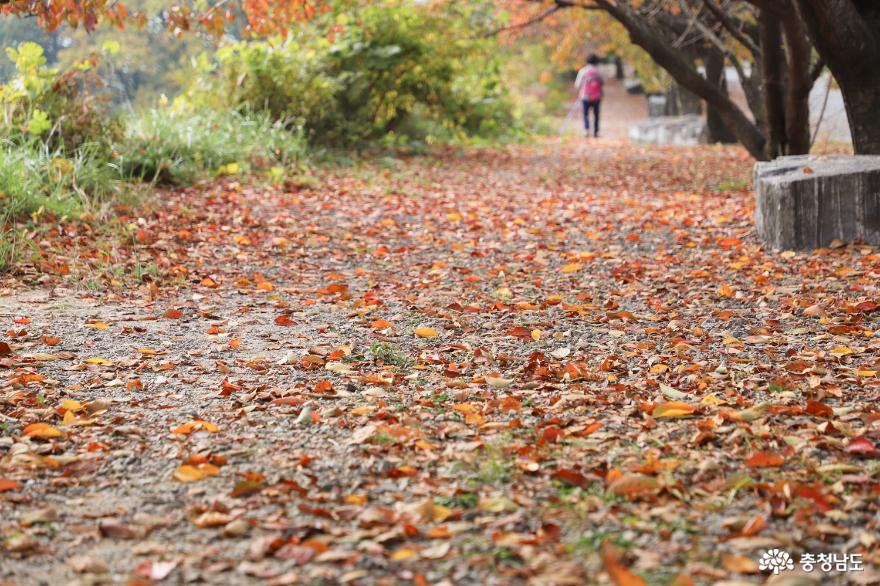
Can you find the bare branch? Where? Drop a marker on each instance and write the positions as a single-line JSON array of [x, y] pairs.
[[728, 23]]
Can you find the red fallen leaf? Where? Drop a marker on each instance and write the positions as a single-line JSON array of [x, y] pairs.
[[867, 306], [294, 401], [284, 320], [798, 366], [550, 435], [572, 477], [5, 350], [299, 554], [6, 484], [50, 340], [173, 314], [520, 332], [819, 409], [764, 460], [861, 446], [22, 321], [135, 385], [401, 472], [813, 494], [316, 511]]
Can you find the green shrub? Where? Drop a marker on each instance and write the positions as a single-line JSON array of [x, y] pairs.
[[63, 109], [177, 148], [393, 72]]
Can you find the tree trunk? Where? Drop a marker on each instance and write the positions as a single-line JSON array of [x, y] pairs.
[[797, 114], [847, 35], [772, 62], [718, 131], [618, 68]]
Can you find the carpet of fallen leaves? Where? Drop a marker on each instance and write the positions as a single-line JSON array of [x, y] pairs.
[[565, 363]]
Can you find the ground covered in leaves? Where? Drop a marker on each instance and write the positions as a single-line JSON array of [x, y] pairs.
[[570, 363]]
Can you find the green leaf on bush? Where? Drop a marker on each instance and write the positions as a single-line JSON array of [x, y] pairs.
[[39, 122]]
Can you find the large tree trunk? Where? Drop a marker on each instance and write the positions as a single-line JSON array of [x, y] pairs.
[[772, 64], [797, 98], [847, 36], [718, 130]]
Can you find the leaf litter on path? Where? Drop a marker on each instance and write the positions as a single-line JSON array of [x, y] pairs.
[[563, 363]]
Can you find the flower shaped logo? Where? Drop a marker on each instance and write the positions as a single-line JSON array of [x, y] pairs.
[[776, 560]]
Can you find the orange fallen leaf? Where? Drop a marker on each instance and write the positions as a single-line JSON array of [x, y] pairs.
[[764, 460], [7, 484], [673, 409], [634, 484], [151, 352], [284, 320], [619, 574], [195, 425], [42, 431], [426, 332], [98, 325]]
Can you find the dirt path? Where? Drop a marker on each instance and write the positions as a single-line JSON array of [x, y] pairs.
[[472, 368]]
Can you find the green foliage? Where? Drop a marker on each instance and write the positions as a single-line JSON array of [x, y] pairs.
[[173, 147], [393, 73], [62, 108]]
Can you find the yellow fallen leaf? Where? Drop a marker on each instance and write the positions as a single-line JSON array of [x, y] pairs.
[[71, 405], [536, 335], [658, 369], [188, 473], [571, 267], [98, 360], [404, 553], [841, 351], [69, 418], [426, 332], [150, 352], [866, 373], [98, 325], [712, 400]]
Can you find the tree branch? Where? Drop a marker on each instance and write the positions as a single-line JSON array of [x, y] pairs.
[[731, 27]]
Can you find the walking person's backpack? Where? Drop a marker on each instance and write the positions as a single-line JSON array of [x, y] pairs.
[[593, 85]]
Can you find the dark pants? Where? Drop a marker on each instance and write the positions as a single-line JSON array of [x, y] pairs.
[[594, 106]]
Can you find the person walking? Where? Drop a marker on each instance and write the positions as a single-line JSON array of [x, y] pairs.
[[589, 85]]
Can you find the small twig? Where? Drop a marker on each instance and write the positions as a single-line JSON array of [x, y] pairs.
[[821, 113]]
